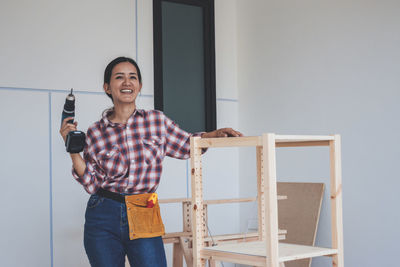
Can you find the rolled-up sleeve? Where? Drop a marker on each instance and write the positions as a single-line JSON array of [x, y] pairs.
[[177, 140]]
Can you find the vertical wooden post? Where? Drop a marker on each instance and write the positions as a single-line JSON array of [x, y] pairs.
[[197, 202], [187, 225], [177, 260], [205, 220], [271, 203], [184, 244], [260, 194], [336, 201]]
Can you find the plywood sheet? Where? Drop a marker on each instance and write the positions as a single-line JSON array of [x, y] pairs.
[[299, 214], [287, 252]]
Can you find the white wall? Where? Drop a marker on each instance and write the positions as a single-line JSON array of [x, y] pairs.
[[62, 44], [325, 67], [48, 47]]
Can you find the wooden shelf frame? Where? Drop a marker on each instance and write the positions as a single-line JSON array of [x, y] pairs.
[[182, 241], [273, 253]]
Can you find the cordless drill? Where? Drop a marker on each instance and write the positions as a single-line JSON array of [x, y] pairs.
[[75, 139]]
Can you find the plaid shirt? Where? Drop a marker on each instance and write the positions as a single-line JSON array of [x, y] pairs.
[[128, 158]]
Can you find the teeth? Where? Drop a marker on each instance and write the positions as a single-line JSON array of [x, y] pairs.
[[126, 91]]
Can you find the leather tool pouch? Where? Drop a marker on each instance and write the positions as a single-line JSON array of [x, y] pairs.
[[143, 222]]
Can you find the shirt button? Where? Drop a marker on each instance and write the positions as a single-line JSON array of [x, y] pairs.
[[131, 176], [133, 161]]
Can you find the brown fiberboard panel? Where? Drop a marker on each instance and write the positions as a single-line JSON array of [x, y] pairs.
[[299, 214]]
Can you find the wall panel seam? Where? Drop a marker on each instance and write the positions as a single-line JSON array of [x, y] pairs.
[[136, 26], [50, 182]]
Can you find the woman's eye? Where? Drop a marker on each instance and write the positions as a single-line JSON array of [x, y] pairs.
[[133, 77], [118, 77]]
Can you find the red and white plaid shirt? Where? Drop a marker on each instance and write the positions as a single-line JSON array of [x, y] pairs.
[[128, 158]]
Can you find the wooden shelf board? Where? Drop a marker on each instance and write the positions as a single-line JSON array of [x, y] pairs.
[[287, 252], [280, 140]]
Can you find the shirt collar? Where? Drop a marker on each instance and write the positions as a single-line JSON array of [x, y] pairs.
[[106, 122]]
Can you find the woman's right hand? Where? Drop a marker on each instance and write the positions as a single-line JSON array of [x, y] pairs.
[[67, 127]]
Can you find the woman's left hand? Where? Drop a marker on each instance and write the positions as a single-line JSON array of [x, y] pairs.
[[223, 132]]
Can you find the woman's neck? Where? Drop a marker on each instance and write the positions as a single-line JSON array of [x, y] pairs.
[[122, 113]]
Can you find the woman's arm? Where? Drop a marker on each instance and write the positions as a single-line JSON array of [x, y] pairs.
[[78, 164], [77, 161]]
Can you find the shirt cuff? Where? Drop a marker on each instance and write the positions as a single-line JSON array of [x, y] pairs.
[[87, 180]]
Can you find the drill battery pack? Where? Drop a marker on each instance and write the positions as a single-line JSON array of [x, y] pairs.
[[75, 142]]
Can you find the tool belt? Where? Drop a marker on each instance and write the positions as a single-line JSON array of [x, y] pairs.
[[143, 222]]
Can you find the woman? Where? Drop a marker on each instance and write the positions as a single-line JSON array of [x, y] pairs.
[[123, 159]]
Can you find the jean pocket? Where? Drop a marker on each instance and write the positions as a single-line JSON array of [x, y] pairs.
[[94, 201]]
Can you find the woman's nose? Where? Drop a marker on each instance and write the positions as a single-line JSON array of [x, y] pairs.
[[126, 81]]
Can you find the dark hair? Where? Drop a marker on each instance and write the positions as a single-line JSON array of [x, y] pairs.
[[112, 64]]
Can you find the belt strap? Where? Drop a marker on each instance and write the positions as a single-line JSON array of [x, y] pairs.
[[111, 195]]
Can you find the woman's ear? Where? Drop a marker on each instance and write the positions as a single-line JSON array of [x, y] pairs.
[[106, 88]]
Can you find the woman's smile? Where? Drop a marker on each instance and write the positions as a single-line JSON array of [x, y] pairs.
[[129, 91]]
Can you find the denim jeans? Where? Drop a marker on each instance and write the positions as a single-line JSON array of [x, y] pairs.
[[106, 238]]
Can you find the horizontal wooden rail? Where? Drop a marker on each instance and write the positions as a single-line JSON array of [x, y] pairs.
[[229, 141], [214, 201], [302, 143], [280, 141], [302, 138]]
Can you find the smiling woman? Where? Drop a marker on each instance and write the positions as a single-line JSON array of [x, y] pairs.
[[122, 164], [128, 65]]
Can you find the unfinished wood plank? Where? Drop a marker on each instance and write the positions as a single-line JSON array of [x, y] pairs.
[[229, 200], [290, 252], [302, 143], [214, 201], [184, 244], [271, 203], [177, 234], [173, 200], [230, 141], [233, 257], [256, 140], [336, 201], [170, 240], [187, 216], [299, 214], [302, 138], [177, 259], [287, 252], [244, 237], [260, 194], [198, 226]]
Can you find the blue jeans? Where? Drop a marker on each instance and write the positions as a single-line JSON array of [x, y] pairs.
[[107, 242]]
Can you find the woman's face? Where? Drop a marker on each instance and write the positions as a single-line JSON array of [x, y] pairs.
[[124, 84]]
